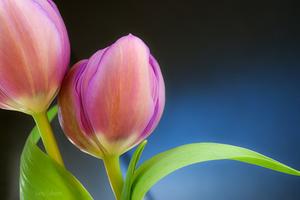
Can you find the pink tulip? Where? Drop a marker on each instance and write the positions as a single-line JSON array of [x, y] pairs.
[[34, 54], [112, 101]]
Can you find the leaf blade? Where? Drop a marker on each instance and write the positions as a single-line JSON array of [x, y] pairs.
[[43, 178], [169, 161], [126, 193]]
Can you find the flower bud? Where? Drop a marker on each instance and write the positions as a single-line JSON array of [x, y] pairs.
[[112, 101], [34, 54]]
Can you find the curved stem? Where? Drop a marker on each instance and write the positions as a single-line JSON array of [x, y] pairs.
[[47, 136], [113, 170]]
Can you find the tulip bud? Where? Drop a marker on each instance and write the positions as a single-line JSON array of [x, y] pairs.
[[34, 54], [112, 101]]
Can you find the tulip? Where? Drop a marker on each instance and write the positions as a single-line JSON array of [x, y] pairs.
[[34, 54], [112, 101]]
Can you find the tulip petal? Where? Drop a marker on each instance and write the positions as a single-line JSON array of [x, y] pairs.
[[158, 98], [119, 89], [70, 111], [34, 52]]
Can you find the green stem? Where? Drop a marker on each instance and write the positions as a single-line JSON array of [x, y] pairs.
[[47, 136], [113, 170]]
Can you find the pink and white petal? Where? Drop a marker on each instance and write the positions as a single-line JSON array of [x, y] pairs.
[[118, 100], [70, 112], [32, 57]]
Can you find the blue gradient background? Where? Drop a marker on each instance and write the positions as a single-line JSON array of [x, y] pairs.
[[232, 76]]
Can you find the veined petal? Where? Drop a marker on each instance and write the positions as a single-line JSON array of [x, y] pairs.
[[120, 89], [158, 97], [71, 113], [34, 52]]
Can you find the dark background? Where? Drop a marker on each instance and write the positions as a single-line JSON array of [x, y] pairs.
[[232, 76]]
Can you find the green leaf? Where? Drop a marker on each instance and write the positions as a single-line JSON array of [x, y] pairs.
[[126, 193], [43, 178], [167, 162]]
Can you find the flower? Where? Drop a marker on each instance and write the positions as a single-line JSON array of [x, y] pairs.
[[34, 54], [114, 100]]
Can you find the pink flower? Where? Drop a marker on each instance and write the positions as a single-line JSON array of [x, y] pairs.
[[114, 100], [34, 54]]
